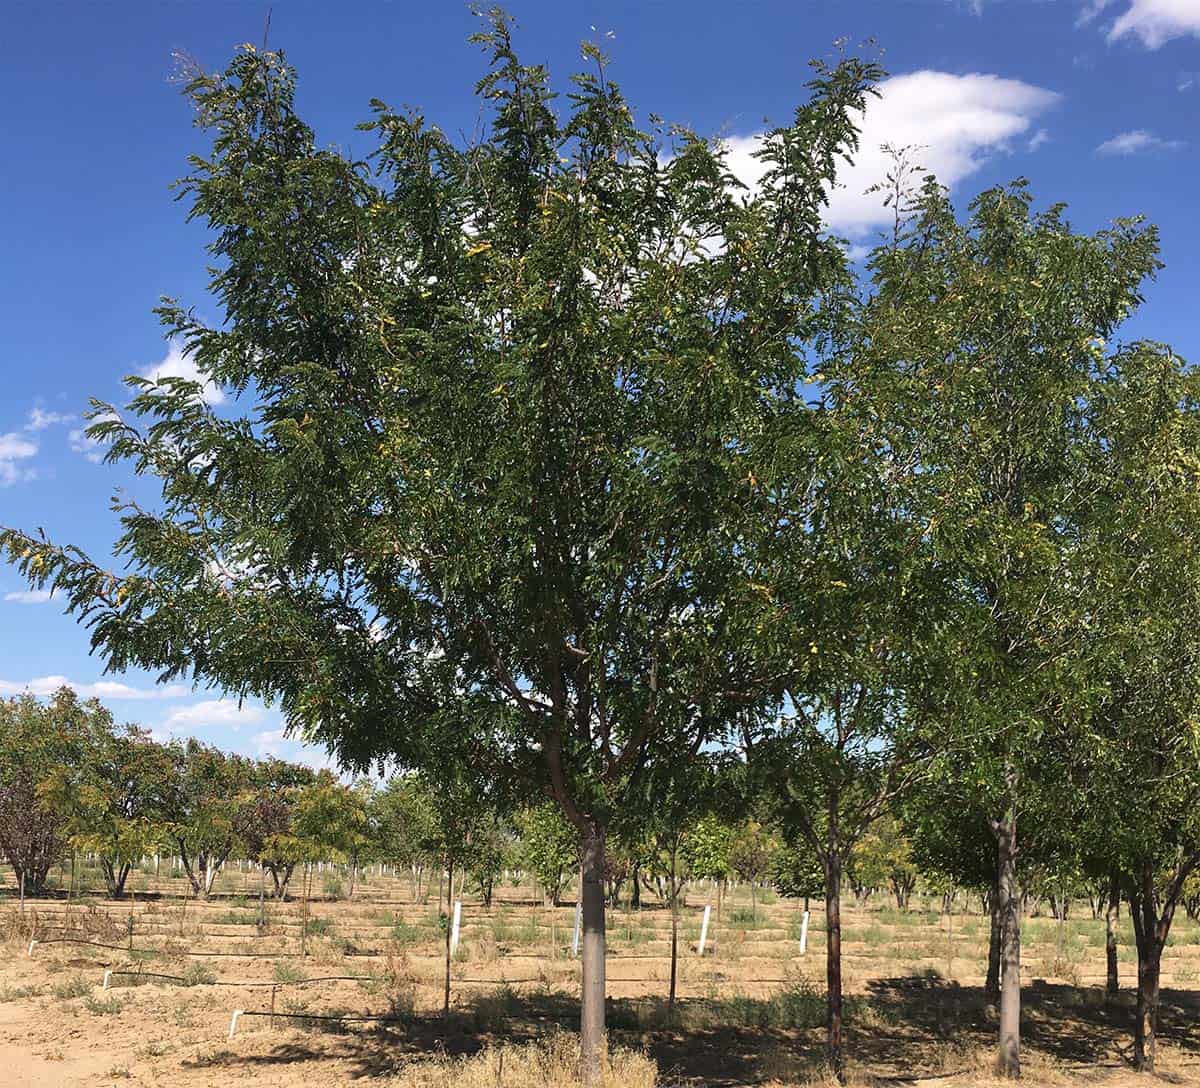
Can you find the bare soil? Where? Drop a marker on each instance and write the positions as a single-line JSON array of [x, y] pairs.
[[750, 1011]]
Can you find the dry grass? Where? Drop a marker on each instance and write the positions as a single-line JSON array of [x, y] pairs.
[[550, 1063]]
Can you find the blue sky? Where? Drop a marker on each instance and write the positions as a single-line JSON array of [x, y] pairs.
[[1094, 102]]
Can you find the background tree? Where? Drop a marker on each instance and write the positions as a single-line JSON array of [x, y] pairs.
[[112, 795], [402, 814], [707, 850], [750, 856], [883, 859], [264, 819], [35, 739], [549, 849], [1140, 533], [985, 343], [669, 824], [202, 808]]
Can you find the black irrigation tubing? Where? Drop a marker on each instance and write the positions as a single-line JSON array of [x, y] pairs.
[[260, 985], [315, 1016], [93, 944]]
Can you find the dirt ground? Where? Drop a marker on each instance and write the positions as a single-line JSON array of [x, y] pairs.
[[750, 1011]]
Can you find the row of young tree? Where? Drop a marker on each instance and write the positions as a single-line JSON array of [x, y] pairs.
[[561, 457], [74, 782]]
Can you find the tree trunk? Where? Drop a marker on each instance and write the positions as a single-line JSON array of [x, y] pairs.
[[592, 1038], [114, 878], [449, 924], [833, 961], [1110, 934], [635, 895], [991, 984], [674, 936], [1008, 1059], [1150, 934], [1149, 970]]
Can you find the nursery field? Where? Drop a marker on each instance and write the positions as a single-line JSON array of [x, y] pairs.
[[350, 989]]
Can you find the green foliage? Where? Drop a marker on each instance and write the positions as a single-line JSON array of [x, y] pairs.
[[549, 848], [796, 871], [36, 740], [708, 849], [489, 452], [883, 859]]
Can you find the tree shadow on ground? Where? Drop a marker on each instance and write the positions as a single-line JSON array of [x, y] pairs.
[[900, 1030]]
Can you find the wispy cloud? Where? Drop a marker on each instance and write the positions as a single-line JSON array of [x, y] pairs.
[[29, 596], [1154, 22], [16, 448], [100, 689], [1042, 136], [1136, 142], [39, 420]]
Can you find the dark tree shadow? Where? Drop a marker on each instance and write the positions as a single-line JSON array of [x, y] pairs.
[[900, 1030]]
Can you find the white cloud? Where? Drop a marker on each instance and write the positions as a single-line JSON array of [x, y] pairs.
[[40, 420], [29, 596], [1135, 142], [14, 448], [1042, 136], [214, 712], [954, 123], [1156, 22], [177, 365], [101, 689]]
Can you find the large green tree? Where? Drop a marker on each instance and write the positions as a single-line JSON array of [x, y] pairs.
[[494, 398], [987, 338], [1140, 533]]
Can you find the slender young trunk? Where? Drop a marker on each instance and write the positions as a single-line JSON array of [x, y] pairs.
[[1008, 1059], [306, 881], [1110, 934], [674, 935], [446, 993], [833, 960], [592, 1038], [991, 985]]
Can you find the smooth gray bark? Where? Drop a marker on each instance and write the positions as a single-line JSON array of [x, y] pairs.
[[592, 1035]]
